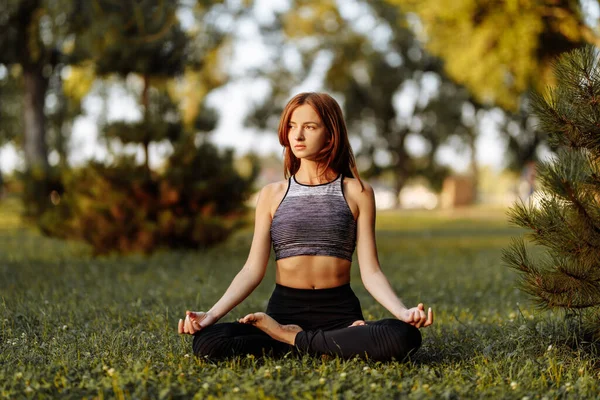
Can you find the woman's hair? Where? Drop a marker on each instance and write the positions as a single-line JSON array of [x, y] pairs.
[[337, 153]]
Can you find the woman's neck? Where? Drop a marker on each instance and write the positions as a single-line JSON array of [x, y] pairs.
[[310, 174]]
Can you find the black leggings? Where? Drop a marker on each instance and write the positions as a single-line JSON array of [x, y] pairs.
[[325, 316]]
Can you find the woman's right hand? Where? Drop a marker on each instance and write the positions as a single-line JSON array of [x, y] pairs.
[[195, 321]]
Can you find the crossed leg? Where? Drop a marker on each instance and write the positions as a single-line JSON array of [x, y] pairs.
[[282, 333], [233, 339], [382, 340]]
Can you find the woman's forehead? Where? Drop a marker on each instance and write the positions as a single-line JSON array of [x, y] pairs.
[[304, 114]]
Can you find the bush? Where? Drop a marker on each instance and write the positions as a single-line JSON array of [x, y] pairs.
[[197, 201]]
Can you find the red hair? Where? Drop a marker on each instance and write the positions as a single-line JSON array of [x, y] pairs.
[[337, 153]]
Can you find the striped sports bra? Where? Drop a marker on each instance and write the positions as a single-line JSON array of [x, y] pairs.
[[314, 220]]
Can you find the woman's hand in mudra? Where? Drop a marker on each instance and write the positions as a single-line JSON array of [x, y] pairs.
[[416, 316], [195, 321]]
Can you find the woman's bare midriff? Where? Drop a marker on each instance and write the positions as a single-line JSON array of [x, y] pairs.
[[313, 272]]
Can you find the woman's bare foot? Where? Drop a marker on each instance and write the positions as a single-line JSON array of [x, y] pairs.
[[282, 333]]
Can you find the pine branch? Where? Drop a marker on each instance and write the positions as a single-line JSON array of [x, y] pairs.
[[560, 284], [559, 291], [567, 176], [516, 257], [569, 113], [552, 227]]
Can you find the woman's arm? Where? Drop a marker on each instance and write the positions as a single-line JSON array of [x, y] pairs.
[[371, 274], [249, 276]]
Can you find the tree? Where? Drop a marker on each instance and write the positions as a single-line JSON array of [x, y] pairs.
[[368, 76], [142, 38], [10, 110], [501, 50], [566, 220], [21, 45], [34, 36], [196, 198], [10, 105]]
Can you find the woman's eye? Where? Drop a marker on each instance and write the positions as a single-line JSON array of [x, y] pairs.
[[310, 127]]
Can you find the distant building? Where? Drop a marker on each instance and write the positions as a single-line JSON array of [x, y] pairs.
[[457, 191]]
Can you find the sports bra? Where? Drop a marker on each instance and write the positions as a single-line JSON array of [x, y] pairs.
[[314, 220]]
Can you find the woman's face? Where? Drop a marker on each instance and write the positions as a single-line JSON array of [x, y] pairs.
[[306, 133]]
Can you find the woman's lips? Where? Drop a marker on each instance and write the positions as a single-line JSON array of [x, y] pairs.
[[299, 146]]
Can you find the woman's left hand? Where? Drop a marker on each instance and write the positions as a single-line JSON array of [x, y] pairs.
[[416, 316]]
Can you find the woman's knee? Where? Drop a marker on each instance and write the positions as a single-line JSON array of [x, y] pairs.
[[401, 338], [213, 341]]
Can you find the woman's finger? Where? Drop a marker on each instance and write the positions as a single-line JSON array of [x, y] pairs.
[[247, 319], [195, 318], [416, 318], [185, 325], [188, 325], [180, 326], [429, 317], [194, 314], [196, 325]]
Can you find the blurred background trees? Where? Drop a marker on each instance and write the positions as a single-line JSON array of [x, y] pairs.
[[422, 75], [33, 32], [57, 52], [500, 51], [368, 70]]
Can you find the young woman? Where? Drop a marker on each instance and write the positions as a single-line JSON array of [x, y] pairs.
[[314, 220]]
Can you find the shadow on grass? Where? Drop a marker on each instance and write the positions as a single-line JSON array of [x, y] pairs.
[[460, 343]]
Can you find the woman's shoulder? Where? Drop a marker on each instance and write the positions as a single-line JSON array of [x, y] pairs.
[[355, 187], [359, 197], [274, 188], [272, 194]]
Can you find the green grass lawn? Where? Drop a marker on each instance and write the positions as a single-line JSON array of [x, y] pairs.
[[81, 327]]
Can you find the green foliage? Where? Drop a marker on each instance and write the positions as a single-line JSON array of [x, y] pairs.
[[500, 49], [566, 220], [142, 37], [197, 201], [368, 73], [33, 35], [102, 38], [10, 105], [73, 326]]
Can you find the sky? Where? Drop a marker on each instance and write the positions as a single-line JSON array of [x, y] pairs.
[[235, 99]]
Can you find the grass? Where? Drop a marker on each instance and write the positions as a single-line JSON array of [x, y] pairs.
[[75, 326]]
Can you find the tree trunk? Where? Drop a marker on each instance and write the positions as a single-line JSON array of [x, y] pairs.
[[36, 150], [146, 143], [472, 138], [1, 185], [402, 175], [32, 59], [63, 127], [402, 165]]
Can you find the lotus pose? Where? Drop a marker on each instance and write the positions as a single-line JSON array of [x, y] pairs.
[[314, 220]]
